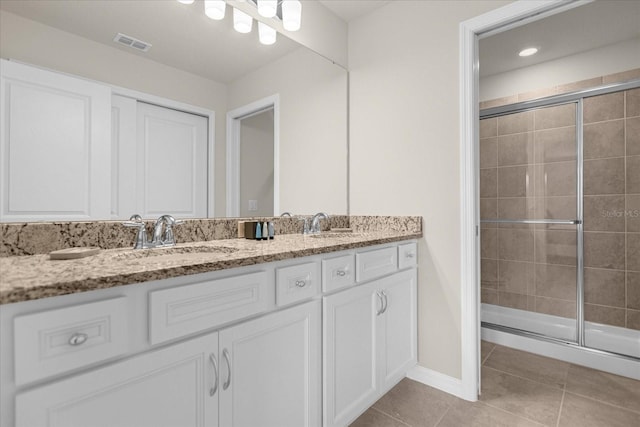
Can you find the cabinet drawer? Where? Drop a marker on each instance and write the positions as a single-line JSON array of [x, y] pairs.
[[407, 255], [56, 341], [338, 273], [376, 263], [296, 283], [184, 310]]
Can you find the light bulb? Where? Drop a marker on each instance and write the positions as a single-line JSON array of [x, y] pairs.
[[242, 22], [186, 1], [267, 8], [266, 34], [291, 14], [215, 9]]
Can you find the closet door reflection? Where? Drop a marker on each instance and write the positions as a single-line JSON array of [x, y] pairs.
[[529, 212]]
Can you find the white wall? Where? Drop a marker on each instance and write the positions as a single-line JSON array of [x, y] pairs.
[[34, 43], [404, 140], [599, 62], [313, 145]]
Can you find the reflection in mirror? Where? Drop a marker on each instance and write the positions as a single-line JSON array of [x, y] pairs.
[[199, 66]]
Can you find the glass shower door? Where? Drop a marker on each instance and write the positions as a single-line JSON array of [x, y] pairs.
[[530, 232]]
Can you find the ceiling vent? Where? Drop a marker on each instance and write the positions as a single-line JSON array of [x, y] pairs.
[[132, 42]]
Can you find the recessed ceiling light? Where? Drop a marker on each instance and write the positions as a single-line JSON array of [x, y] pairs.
[[528, 51]]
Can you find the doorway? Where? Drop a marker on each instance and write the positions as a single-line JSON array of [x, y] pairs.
[[252, 159]]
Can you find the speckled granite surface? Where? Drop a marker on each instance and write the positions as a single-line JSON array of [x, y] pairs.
[[34, 238], [24, 278]]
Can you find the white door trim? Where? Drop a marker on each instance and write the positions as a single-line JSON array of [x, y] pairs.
[[495, 21], [234, 118]]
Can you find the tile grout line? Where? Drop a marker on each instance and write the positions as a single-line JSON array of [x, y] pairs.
[[564, 391], [443, 415], [390, 416], [604, 402], [528, 379], [488, 355], [522, 417]]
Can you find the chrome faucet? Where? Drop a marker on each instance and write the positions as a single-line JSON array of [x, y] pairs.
[[315, 222], [167, 238], [162, 236]]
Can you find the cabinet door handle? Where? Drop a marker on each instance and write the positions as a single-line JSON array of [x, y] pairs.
[[214, 364], [300, 283], [227, 383], [410, 255], [386, 301], [380, 311], [78, 338], [341, 273]]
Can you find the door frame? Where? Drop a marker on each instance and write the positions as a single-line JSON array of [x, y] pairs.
[[234, 119], [470, 31]]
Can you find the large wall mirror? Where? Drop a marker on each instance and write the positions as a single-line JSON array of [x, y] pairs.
[[277, 140]]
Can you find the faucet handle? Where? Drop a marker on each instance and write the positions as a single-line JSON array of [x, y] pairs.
[[141, 237]]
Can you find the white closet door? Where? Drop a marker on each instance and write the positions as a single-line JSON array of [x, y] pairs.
[[171, 163], [54, 146], [123, 156]]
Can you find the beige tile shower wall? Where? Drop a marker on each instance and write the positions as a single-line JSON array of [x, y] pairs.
[[612, 208], [527, 163], [528, 172]]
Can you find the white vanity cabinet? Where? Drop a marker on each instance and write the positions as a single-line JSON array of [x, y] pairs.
[[369, 343], [270, 370], [252, 346], [168, 387], [264, 372]]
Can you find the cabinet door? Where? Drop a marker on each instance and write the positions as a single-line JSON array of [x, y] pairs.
[[350, 342], [270, 370], [54, 146], [171, 163], [168, 387], [398, 335]]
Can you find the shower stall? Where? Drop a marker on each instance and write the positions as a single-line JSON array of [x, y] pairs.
[[560, 225]]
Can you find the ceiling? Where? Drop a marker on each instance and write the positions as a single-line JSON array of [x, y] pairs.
[[182, 36], [580, 29], [348, 10]]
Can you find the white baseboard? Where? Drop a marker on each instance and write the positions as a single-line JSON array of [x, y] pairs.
[[437, 380]]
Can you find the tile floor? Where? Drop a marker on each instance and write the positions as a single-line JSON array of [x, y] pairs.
[[518, 389]]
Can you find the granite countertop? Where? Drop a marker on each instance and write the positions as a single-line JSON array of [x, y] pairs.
[[24, 278]]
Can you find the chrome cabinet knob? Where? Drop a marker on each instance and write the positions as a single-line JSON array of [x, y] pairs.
[[78, 339]]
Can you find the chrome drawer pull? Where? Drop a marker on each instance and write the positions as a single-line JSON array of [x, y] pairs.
[[214, 363], [341, 273], [78, 338], [410, 255], [227, 383], [379, 312], [386, 301], [301, 283]]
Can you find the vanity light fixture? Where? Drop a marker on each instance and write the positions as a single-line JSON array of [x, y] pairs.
[[267, 8], [242, 22], [266, 34], [528, 51], [288, 11], [291, 14], [215, 9]]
